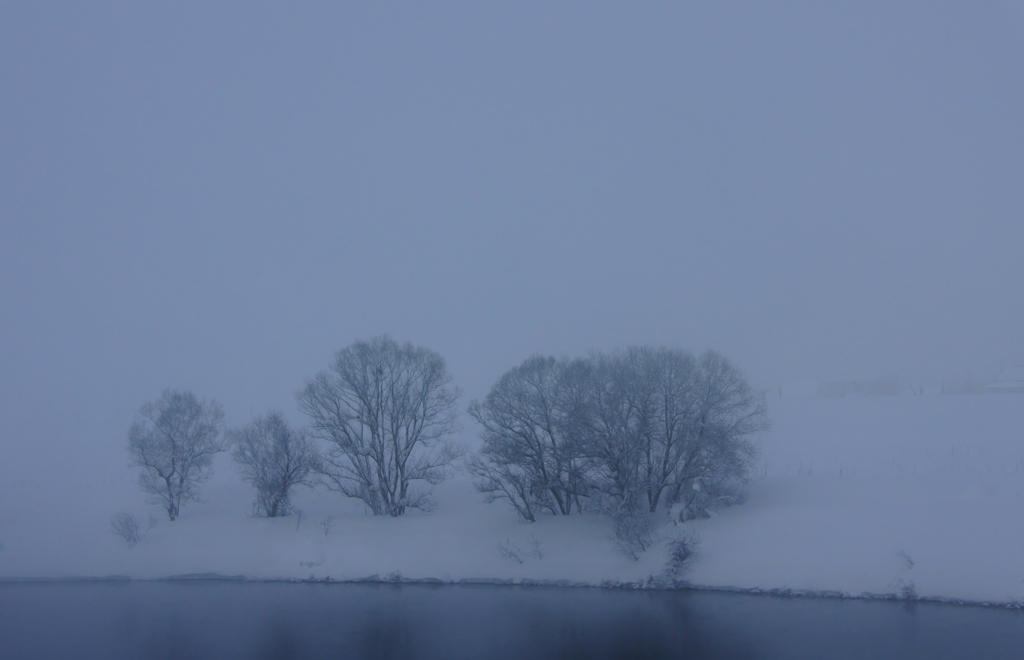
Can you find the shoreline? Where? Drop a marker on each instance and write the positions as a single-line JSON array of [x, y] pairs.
[[651, 584]]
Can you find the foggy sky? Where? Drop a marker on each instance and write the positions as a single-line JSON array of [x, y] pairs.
[[218, 198]]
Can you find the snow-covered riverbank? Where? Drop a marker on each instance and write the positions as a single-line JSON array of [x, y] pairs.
[[904, 495]]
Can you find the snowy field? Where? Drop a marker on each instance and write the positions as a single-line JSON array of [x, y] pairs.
[[919, 495]]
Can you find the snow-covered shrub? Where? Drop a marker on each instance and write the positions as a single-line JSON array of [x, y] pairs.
[[535, 548], [510, 550], [904, 585], [634, 531], [128, 527], [905, 589], [681, 550], [517, 553]]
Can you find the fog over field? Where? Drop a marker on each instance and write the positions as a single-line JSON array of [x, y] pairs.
[[217, 198]]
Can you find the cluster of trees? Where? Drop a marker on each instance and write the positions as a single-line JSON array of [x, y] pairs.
[[628, 433], [384, 410]]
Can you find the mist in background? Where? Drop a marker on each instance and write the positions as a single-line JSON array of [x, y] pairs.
[[220, 197]]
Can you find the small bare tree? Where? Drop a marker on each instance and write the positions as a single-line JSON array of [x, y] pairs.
[[386, 410], [174, 440], [274, 459], [127, 527]]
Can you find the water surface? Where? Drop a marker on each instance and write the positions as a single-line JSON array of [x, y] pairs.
[[308, 620]]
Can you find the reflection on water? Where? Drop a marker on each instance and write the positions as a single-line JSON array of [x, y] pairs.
[[282, 620]]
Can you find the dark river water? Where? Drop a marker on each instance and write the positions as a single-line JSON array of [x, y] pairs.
[[282, 620]]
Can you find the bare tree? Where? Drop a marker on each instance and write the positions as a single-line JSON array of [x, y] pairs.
[[386, 410], [664, 446], [530, 455], [128, 527], [671, 429], [619, 425], [644, 404], [717, 451], [274, 459], [174, 440]]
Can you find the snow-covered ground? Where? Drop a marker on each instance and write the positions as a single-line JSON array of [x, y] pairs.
[[905, 494]]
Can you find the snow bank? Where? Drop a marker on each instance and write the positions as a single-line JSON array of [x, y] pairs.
[[920, 495], [913, 496]]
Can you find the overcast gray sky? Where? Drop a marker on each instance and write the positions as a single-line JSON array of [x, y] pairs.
[[218, 196]]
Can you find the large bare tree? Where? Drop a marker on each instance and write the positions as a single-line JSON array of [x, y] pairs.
[[531, 449], [386, 411], [717, 449], [669, 428], [174, 440], [274, 458], [620, 423]]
